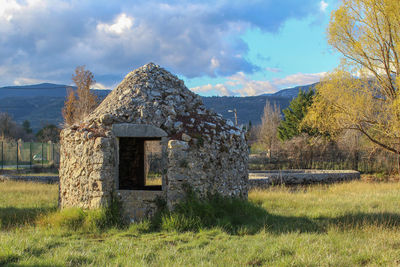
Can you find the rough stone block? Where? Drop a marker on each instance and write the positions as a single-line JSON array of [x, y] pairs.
[[137, 130]]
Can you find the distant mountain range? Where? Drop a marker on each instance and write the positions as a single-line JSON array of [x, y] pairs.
[[42, 89], [292, 92], [41, 104]]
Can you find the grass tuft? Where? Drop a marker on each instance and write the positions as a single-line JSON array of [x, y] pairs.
[[234, 215], [77, 219], [71, 219], [140, 227], [78, 260], [8, 258]]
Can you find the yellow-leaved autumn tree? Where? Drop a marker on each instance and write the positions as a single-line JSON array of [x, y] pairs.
[[362, 94]]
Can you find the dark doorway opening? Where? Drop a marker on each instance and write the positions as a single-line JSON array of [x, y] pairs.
[[133, 164]]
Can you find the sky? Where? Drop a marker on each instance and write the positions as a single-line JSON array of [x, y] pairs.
[[224, 48]]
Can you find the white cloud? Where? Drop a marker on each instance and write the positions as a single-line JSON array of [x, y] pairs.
[[100, 86], [299, 79], [214, 63], [379, 68], [240, 84], [218, 89], [323, 6], [7, 9], [249, 87], [223, 89], [237, 84], [25, 81], [203, 89], [121, 24]]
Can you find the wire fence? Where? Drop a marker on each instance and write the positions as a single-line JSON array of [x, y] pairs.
[[23, 155], [381, 163]]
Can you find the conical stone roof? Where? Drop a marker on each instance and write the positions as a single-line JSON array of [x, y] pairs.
[[152, 95]]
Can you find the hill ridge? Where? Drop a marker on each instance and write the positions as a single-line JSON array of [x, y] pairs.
[[43, 106]]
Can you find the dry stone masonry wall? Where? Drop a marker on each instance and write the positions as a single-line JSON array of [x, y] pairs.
[[200, 148], [264, 179], [86, 165]]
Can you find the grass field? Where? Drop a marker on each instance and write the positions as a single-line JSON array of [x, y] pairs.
[[348, 224]]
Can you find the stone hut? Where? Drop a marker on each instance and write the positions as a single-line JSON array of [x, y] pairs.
[[107, 154]]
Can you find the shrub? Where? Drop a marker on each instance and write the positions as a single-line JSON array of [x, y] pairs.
[[140, 227], [85, 220], [71, 219], [180, 223]]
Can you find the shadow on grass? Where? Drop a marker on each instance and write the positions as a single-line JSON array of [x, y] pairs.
[[15, 264], [236, 216], [284, 224], [11, 217], [361, 219], [278, 224]]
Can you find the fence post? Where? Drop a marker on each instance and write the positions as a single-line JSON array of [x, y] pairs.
[[49, 152], [42, 155], [52, 154], [17, 155], [30, 154], [2, 155]]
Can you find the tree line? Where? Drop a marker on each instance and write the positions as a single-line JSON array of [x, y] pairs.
[[11, 131]]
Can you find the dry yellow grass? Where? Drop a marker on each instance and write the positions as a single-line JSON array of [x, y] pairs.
[[154, 181]]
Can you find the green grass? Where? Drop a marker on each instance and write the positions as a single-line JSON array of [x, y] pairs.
[[349, 224], [22, 202]]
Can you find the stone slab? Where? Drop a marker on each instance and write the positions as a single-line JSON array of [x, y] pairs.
[[264, 179], [137, 130]]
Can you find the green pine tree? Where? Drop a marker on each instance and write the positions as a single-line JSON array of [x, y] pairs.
[[294, 114], [27, 126]]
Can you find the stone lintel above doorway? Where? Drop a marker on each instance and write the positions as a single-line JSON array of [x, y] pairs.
[[137, 130]]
